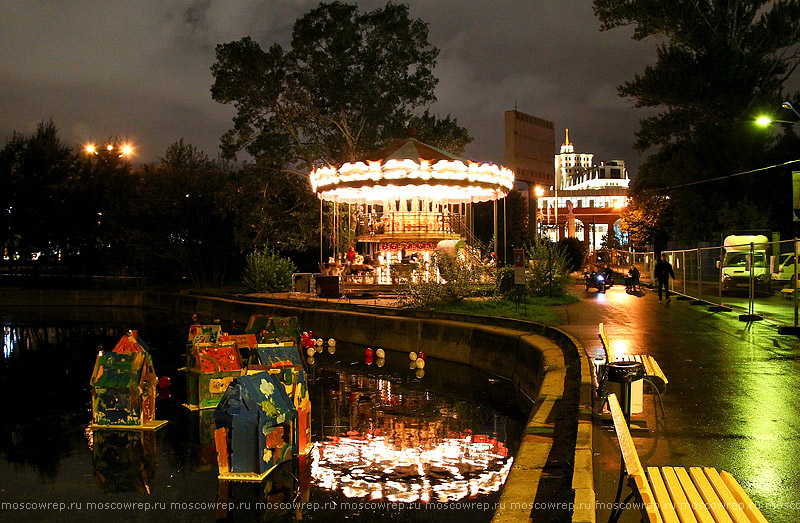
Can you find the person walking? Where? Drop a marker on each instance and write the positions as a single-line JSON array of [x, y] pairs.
[[662, 272]]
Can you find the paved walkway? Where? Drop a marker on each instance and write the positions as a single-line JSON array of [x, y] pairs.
[[733, 400]]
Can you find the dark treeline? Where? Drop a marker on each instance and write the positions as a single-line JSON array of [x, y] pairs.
[[188, 216]]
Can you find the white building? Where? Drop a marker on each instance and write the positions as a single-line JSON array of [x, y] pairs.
[[587, 200], [569, 164]]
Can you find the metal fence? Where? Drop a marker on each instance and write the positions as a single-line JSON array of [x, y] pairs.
[[756, 280]]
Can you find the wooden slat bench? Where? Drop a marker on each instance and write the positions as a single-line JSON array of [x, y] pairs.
[[654, 376], [675, 495]]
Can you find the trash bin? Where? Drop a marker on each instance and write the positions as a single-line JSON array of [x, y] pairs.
[[625, 380], [327, 286]]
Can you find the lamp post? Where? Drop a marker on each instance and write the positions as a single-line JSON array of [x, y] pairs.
[[794, 329], [538, 192]]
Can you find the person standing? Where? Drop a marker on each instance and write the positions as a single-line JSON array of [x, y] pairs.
[[662, 272]]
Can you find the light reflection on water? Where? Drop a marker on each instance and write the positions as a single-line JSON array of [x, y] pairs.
[[381, 433]]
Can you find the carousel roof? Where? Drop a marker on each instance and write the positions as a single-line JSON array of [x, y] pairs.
[[412, 168]]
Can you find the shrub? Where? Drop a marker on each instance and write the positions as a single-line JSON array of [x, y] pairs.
[[459, 280], [574, 251], [547, 271], [267, 271]]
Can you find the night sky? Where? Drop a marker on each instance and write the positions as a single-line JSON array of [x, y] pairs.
[[141, 70]]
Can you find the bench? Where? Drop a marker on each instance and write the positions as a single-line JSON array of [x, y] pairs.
[[654, 376], [673, 494]]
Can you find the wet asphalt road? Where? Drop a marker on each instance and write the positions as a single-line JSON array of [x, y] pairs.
[[733, 399]]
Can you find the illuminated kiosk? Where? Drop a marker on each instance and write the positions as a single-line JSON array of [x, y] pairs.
[[406, 200]]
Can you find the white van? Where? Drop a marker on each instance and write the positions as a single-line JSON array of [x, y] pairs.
[[736, 269]]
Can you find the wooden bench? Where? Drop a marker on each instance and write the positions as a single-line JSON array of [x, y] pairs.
[[654, 376], [673, 495]]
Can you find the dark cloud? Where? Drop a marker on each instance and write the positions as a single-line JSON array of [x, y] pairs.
[[141, 70]]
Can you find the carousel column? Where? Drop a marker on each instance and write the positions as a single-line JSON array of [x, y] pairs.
[[505, 230], [496, 246]]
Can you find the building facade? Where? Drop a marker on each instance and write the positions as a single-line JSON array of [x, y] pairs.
[[586, 202]]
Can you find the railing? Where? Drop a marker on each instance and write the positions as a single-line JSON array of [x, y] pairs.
[[411, 223]]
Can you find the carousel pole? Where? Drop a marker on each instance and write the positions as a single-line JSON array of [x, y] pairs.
[[496, 247], [321, 259], [505, 231]]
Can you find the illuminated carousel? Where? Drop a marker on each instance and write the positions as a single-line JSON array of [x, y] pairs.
[[403, 204]]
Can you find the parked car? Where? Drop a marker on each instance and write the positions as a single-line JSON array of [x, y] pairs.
[[784, 272]]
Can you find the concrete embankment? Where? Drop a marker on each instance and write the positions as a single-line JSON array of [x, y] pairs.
[[546, 365]]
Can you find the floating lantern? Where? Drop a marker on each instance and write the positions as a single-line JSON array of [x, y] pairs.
[[331, 349], [379, 362], [310, 360], [331, 342], [420, 363], [310, 351], [368, 352], [420, 373], [164, 382], [380, 354], [412, 355], [422, 355]]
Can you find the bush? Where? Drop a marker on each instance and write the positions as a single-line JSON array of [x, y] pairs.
[[460, 279], [574, 251], [266, 271], [547, 271]]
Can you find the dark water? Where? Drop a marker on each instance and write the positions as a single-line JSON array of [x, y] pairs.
[[390, 444]]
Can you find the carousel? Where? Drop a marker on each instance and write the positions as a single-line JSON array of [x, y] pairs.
[[399, 206]]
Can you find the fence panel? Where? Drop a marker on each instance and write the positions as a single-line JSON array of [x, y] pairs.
[[750, 279]]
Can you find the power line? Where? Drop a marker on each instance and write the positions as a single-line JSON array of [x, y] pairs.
[[718, 178]]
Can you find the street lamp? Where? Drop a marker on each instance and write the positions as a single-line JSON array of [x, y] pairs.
[[795, 329], [788, 105], [766, 120], [538, 192], [124, 150]]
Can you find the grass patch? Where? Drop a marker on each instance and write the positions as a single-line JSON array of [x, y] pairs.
[[537, 309]]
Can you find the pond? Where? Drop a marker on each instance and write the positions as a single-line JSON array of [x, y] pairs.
[[390, 440]]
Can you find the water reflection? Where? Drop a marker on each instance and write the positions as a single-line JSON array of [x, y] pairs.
[[380, 432], [389, 440], [123, 461]]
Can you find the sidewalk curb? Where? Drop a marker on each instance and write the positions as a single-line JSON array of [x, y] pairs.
[[583, 468]]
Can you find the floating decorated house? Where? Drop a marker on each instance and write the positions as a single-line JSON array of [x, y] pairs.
[[254, 427], [275, 329], [211, 368], [284, 362], [123, 387]]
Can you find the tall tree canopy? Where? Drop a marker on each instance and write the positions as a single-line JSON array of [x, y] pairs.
[[339, 92], [719, 65]]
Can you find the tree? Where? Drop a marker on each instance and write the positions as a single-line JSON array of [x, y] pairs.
[[182, 220], [647, 220], [721, 64], [34, 171], [346, 87], [335, 95]]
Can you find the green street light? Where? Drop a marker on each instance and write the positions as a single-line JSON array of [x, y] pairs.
[[766, 120]]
